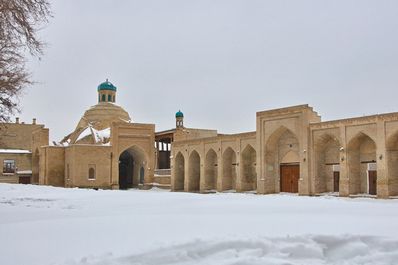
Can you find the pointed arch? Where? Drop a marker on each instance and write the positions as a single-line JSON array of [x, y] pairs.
[[280, 143], [130, 162], [229, 169], [194, 171], [361, 154], [291, 157], [248, 169], [179, 172], [327, 159], [211, 170]]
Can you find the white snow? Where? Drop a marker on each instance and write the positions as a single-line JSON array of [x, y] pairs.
[[65, 143], [14, 151], [101, 136], [86, 132], [46, 225], [24, 172]]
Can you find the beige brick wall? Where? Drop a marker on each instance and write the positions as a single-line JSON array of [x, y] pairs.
[[52, 166], [22, 162], [79, 159]]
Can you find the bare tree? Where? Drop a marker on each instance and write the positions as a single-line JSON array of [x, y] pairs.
[[20, 21]]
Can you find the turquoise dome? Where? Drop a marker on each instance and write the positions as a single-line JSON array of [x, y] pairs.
[[106, 86], [179, 114]]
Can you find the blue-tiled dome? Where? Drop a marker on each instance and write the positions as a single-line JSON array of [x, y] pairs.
[[106, 86], [179, 114]]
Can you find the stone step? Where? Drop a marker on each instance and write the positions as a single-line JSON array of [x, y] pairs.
[[164, 179]]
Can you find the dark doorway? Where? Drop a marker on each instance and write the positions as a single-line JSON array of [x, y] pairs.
[[336, 181], [372, 182], [290, 175], [126, 170], [24, 180]]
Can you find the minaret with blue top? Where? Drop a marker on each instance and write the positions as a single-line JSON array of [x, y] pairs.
[[106, 92], [179, 119]]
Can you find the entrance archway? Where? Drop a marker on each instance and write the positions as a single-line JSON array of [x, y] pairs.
[[229, 169], [131, 163], [179, 172], [361, 159], [211, 170], [282, 161], [327, 157], [194, 172], [248, 169]]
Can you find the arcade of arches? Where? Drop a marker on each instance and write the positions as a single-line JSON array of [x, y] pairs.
[[292, 150]]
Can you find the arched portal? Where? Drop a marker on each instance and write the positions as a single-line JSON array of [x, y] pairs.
[[361, 159], [211, 170], [179, 172], [248, 169], [282, 161], [229, 169], [327, 157], [130, 163], [194, 172], [392, 164]]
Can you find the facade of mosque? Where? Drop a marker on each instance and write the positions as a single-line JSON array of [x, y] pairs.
[[291, 150], [108, 150]]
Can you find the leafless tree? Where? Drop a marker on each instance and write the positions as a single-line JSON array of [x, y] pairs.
[[20, 20]]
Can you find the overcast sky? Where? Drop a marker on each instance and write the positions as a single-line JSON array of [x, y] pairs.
[[219, 61]]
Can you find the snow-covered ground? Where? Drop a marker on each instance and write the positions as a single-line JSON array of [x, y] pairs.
[[46, 225]]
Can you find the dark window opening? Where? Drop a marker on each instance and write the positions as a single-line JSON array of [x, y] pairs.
[[91, 173], [9, 166]]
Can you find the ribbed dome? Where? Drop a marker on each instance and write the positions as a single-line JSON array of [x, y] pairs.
[[179, 114], [103, 114], [106, 86], [95, 121]]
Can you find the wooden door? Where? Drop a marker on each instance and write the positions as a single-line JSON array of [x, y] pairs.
[[290, 175], [336, 181], [372, 182]]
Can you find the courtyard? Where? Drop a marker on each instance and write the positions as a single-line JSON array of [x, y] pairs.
[[47, 225]]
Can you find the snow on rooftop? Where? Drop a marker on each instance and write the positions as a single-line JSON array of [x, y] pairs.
[[101, 136], [14, 151], [66, 143], [24, 172], [86, 132]]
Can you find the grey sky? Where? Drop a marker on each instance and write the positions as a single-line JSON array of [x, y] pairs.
[[217, 61]]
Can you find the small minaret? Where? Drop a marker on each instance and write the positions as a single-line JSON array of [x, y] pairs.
[[179, 119], [106, 92]]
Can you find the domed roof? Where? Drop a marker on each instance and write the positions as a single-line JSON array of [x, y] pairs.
[[95, 122], [106, 86], [179, 114], [105, 113]]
